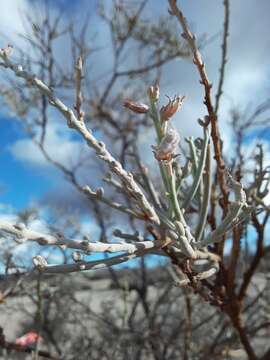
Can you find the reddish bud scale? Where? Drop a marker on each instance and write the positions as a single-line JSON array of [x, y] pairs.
[[136, 107], [167, 111]]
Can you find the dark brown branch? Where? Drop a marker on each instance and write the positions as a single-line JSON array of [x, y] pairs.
[[212, 117], [224, 48], [260, 252]]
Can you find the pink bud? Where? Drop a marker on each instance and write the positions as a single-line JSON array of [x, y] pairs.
[[29, 338], [167, 111], [136, 107]]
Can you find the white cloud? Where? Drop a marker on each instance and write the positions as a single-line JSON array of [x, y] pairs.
[[59, 145], [11, 22], [242, 76], [242, 83], [90, 229]]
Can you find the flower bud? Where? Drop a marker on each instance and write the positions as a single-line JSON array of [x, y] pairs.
[[153, 93], [77, 256], [136, 107], [168, 146], [39, 262], [167, 111], [5, 52]]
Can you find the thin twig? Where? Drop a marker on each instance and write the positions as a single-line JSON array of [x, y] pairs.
[[212, 117], [224, 48], [78, 80], [22, 233], [73, 122]]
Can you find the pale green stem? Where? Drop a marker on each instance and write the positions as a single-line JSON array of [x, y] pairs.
[[193, 154], [169, 180], [206, 197], [160, 134], [228, 222], [194, 157], [174, 200], [155, 117], [199, 172]]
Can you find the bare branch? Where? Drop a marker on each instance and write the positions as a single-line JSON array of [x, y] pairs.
[[224, 48], [75, 123], [24, 234], [212, 117]]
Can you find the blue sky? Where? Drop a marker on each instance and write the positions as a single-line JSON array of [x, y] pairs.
[[26, 178], [31, 182], [247, 79]]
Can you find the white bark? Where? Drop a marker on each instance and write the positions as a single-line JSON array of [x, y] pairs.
[[24, 234], [73, 122]]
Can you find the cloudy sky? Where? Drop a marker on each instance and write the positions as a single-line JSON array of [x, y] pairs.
[[26, 177]]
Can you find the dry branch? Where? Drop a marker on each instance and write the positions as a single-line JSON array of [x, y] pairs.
[[73, 122]]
